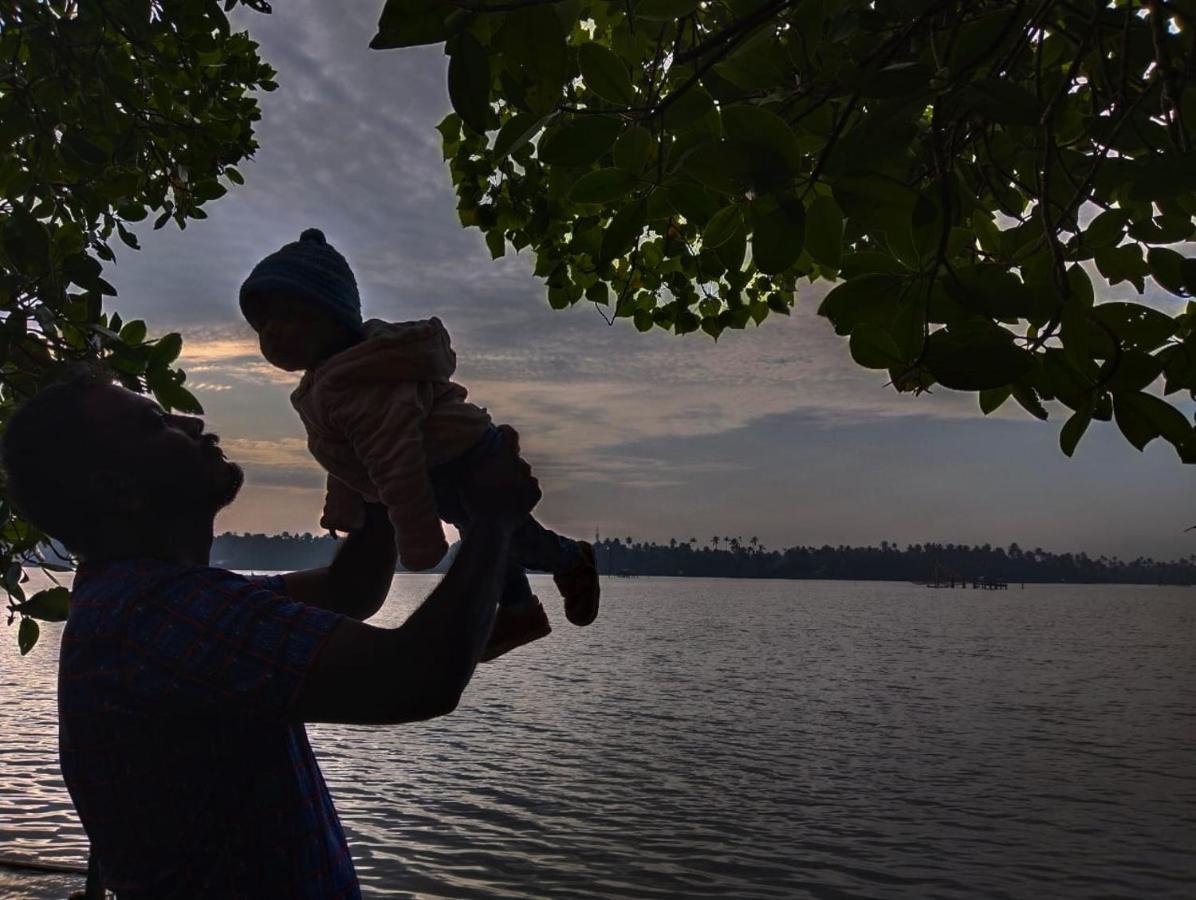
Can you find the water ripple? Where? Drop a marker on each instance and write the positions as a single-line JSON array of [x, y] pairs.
[[754, 740]]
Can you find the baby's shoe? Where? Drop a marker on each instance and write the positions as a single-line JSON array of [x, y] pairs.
[[579, 586], [515, 626]]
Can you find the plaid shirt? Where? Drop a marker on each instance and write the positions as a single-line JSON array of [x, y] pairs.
[[178, 737]]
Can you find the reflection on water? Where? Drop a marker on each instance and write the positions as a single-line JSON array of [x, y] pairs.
[[719, 738]]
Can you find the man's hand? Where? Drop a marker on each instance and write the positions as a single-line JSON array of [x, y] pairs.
[[358, 579], [502, 487]]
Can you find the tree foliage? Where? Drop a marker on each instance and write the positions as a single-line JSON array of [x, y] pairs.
[[973, 177], [111, 111]]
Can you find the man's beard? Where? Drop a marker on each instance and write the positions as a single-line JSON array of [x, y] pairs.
[[227, 491]]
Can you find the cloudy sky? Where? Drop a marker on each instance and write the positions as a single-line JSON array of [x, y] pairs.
[[771, 432]]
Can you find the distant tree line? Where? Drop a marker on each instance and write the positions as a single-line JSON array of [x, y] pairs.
[[281, 552], [735, 557]]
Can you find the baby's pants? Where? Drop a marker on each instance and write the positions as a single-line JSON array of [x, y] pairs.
[[532, 545]]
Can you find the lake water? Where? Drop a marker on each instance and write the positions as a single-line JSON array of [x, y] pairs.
[[743, 739]]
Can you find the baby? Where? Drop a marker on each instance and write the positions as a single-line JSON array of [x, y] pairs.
[[385, 419]]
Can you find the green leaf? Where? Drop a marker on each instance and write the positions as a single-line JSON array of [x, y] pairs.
[[579, 142], [824, 232], [900, 79], [450, 128], [516, 133], [993, 399], [127, 237], [663, 10], [602, 186], [605, 74], [166, 350], [133, 332], [1027, 399], [1136, 370], [598, 292], [874, 348], [865, 298], [13, 576], [1002, 100], [82, 269], [691, 110], [407, 23], [178, 398], [534, 51], [778, 233], [994, 291], [469, 81], [1167, 268], [50, 605], [876, 201], [496, 243], [722, 227], [1107, 229], [1142, 417], [734, 251], [721, 166], [767, 135], [633, 149], [623, 229], [975, 358], [1124, 263], [1074, 428], [1138, 326], [27, 635]]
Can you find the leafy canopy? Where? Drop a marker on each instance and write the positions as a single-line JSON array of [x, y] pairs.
[[111, 111], [970, 175]]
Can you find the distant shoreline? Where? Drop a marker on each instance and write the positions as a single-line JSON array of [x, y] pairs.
[[736, 558], [252, 570]]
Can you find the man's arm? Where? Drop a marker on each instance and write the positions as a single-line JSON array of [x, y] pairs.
[[419, 670], [357, 580]]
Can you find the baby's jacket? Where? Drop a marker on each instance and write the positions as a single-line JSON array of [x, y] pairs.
[[378, 416]]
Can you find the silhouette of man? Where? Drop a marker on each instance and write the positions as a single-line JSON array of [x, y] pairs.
[[184, 689]]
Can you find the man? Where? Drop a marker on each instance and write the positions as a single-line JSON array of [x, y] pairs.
[[183, 689]]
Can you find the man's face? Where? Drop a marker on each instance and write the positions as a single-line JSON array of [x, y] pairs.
[[172, 465]]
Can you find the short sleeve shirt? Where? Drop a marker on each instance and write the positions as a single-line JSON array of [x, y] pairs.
[[179, 742]]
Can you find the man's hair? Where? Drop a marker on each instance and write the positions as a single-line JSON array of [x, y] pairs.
[[46, 453]]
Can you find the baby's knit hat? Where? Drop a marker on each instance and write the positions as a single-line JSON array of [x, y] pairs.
[[310, 268]]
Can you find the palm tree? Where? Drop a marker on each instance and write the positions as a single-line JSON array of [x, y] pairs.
[[714, 540]]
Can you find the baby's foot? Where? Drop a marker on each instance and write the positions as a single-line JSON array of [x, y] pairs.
[[515, 626], [579, 587]]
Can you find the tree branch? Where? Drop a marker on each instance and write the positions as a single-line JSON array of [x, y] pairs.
[[733, 31]]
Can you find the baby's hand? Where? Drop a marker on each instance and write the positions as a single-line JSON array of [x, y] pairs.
[[502, 487]]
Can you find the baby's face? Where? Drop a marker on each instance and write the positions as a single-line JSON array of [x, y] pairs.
[[294, 334]]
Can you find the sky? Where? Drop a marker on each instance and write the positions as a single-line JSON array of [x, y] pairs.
[[772, 432]]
